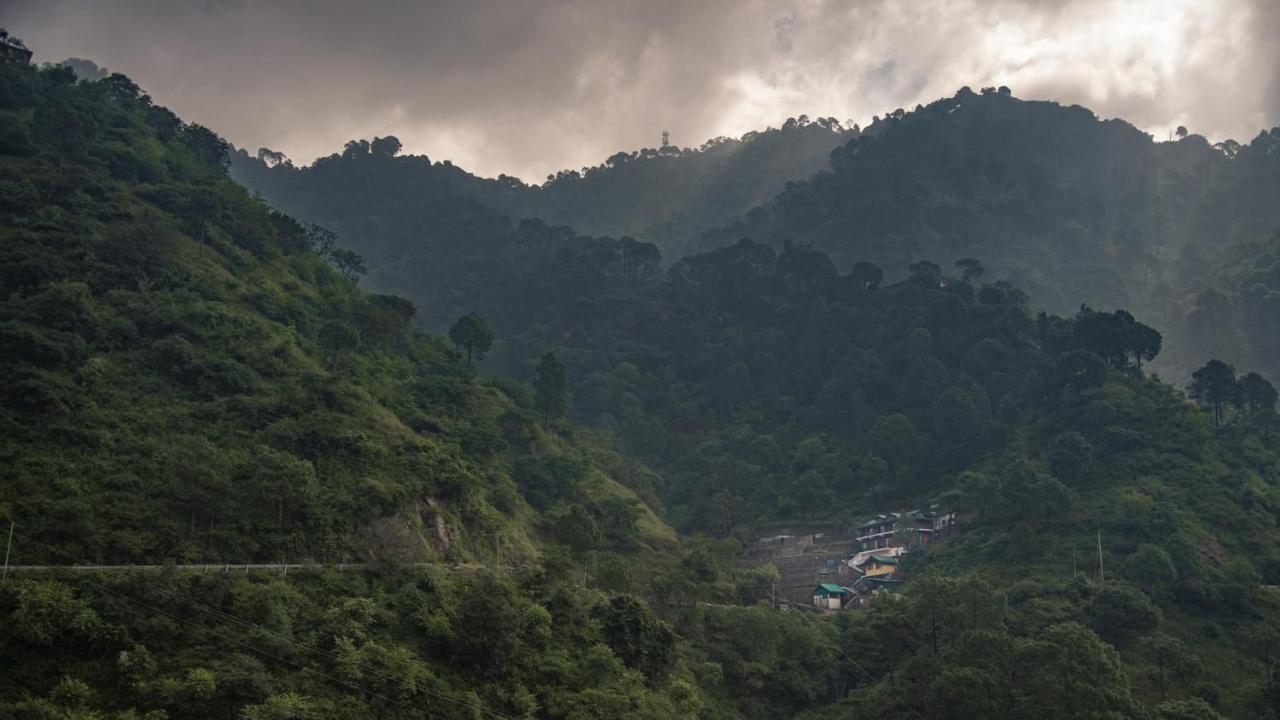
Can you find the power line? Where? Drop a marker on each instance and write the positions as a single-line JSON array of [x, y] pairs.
[[216, 612], [7, 548], [871, 677], [251, 625], [249, 646], [220, 614]]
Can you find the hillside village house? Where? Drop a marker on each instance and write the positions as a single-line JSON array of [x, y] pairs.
[[828, 596], [880, 565], [870, 587], [877, 532], [883, 538], [904, 529]]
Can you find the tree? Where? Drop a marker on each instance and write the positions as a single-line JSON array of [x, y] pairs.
[[1271, 692], [1239, 582], [970, 269], [473, 335], [1116, 337], [1071, 458], [895, 439], [336, 336], [287, 706], [1081, 370], [1119, 609], [323, 241], [640, 260], [867, 275], [927, 274], [1215, 386], [348, 263], [206, 145], [919, 342], [66, 125], [1259, 394], [551, 387], [355, 149], [12, 50], [385, 146], [270, 157], [1150, 567], [805, 269], [125, 89], [644, 642], [48, 611], [203, 204], [1173, 660], [577, 529], [618, 518], [1144, 343], [1033, 495], [1073, 674], [956, 417], [965, 693], [488, 636]]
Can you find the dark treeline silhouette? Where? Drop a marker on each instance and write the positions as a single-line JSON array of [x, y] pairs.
[[1068, 207]]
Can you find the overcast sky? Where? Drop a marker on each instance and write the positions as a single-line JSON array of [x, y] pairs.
[[531, 86]]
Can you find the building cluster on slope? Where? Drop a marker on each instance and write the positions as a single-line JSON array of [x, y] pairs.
[[873, 568]]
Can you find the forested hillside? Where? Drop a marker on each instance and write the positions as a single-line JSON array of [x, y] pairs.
[[212, 370], [671, 195], [1236, 312], [667, 195], [192, 377], [1068, 207], [776, 383]]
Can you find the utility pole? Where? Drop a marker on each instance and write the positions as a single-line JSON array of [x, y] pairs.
[[1102, 576], [7, 548]]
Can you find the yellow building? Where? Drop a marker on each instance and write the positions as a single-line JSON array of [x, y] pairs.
[[880, 565]]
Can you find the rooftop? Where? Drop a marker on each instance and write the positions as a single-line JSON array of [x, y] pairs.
[[877, 519], [877, 580]]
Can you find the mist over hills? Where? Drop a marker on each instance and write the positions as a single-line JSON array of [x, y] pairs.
[[667, 195], [1068, 207], [553, 423]]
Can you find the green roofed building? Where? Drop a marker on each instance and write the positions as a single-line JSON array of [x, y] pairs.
[[870, 586], [829, 597]]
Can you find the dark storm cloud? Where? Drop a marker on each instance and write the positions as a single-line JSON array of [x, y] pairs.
[[529, 87]]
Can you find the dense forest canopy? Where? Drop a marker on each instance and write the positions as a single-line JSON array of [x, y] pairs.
[[1070, 208], [667, 195], [193, 377]]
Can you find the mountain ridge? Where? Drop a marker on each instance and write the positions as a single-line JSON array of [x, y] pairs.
[[191, 374]]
